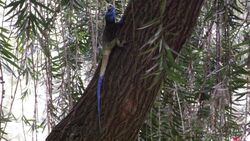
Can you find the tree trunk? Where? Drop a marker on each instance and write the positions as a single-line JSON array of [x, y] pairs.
[[127, 94]]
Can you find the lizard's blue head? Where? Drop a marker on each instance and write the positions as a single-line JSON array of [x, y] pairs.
[[110, 14]]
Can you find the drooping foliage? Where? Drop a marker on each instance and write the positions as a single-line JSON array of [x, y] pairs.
[[204, 95], [49, 51]]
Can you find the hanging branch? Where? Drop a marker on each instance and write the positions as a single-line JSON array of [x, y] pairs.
[[1, 97]]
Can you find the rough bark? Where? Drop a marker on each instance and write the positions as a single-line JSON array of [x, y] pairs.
[[126, 93]]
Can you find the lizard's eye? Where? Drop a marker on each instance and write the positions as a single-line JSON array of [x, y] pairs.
[[110, 7]]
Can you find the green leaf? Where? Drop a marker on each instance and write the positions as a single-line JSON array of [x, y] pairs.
[[14, 5], [7, 53], [35, 2], [11, 62], [8, 68]]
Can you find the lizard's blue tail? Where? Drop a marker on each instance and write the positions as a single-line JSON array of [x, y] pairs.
[[98, 95]]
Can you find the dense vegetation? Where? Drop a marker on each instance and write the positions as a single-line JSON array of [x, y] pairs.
[[50, 50]]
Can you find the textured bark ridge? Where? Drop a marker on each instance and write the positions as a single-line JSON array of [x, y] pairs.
[[126, 94]]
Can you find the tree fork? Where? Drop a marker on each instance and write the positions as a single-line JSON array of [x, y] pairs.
[[126, 96]]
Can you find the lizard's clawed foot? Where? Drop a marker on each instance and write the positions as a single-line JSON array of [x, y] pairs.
[[122, 43]]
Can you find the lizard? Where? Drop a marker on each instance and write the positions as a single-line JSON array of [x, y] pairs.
[[109, 42]]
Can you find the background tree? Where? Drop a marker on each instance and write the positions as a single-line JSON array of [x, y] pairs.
[[193, 104]]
